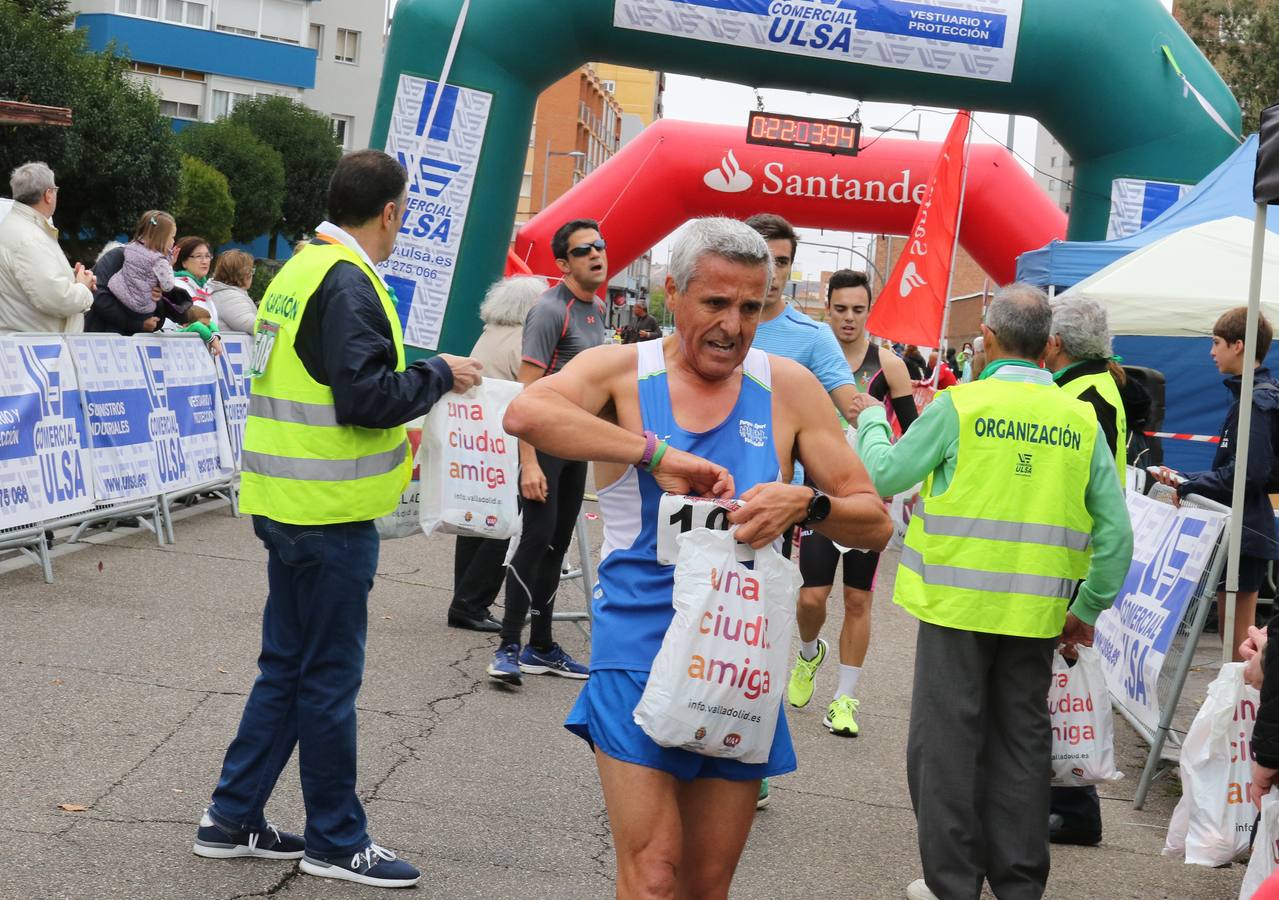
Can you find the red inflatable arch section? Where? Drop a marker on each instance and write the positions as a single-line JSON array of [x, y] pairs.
[[675, 171]]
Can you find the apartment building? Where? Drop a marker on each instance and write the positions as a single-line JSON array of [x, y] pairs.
[[201, 57]]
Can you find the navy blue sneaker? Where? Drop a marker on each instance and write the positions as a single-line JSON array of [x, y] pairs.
[[505, 666], [375, 866], [552, 662], [216, 842]]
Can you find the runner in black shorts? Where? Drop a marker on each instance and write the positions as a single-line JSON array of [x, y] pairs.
[[882, 374]]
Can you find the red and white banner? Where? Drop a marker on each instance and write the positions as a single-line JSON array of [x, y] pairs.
[[913, 302]]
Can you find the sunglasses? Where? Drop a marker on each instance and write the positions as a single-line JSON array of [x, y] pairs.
[[585, 249]]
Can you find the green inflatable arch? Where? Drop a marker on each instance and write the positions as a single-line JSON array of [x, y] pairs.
[[1094, 72]]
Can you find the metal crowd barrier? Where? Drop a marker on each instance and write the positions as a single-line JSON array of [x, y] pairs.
[[1165, 740]]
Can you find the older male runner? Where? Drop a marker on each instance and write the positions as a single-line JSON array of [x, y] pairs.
[[680, 819], [1023, 540]]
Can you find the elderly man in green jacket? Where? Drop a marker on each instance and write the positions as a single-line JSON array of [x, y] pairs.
[[1021, 540]]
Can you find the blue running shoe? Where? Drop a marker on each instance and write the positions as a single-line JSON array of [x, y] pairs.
[[505, 666], [375, 866], [215, 842], [552, 662]]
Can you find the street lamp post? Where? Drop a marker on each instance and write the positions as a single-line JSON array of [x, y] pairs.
[[836, 249], [546, 166], [888, 238]]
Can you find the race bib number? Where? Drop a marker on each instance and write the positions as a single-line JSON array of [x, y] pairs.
[[263, 343], [677, 514]]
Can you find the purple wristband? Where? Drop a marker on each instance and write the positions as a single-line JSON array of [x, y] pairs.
[[650, 447]]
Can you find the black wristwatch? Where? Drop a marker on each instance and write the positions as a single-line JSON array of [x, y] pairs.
[[818, 508]]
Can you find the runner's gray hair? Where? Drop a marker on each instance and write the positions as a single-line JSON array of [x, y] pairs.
[[1082, 326], [29, 181], [508, 301], [717, 236], [1021, 319]]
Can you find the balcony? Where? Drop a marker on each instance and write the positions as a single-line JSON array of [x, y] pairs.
[[215, 52]]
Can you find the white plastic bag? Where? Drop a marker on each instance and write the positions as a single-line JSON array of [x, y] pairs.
[[1083, 727], [1265, 849], [470, 466], [405, 520], [716, 684], [1216, 768]]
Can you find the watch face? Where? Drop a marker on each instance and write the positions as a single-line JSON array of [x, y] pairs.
[[818, 507]]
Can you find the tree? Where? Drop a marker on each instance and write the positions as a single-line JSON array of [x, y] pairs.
[[304, 140], [254, 171], [204, 204], [1239, 37], [117, 158]]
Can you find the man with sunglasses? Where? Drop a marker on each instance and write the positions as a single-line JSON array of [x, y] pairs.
[[566, 320]]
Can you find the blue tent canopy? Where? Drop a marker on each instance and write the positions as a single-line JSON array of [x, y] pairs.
[[1226, 191]]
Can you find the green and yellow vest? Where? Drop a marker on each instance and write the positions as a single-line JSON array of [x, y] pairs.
[[300, 465], [1105, 384], [1001, 549]]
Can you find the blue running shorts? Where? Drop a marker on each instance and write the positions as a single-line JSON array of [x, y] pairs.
[[602, 716]]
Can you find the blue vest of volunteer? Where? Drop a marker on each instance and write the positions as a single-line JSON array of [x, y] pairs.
[[632, 607]]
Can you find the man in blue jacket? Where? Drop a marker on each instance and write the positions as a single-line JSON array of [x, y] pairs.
[[1260, 541]]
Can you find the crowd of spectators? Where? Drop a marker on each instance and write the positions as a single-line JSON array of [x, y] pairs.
[[157, 281]]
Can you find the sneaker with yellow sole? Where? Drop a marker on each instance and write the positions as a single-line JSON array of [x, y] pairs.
[[803, 678], [840, 716]]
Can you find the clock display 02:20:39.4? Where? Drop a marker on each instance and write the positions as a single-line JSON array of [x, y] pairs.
[[803, 133]]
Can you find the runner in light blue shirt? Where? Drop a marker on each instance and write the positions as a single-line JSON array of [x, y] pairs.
[[786, 331]]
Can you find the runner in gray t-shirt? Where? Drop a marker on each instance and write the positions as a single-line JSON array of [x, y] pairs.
[[560, 326], [566, 320]]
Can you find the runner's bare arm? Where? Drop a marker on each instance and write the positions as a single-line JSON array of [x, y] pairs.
[[561, 414], [895, 374], [857, 516], [843, 396]]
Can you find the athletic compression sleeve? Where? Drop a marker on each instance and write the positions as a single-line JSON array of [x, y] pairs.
[[906, 410]]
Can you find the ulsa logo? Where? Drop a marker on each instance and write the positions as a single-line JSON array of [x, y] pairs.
[[911, 279], [728, 177]]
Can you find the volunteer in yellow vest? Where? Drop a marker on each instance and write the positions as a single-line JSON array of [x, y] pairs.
[[324, 454], [1020, 539], [1078, 354]]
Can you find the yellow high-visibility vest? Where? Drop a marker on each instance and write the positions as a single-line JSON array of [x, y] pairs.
[[1002, 548], [300, 465], [1105, 384]]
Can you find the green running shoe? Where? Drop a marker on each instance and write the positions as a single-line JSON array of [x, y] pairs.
[[839, 716], [803, 678], [762, 801]]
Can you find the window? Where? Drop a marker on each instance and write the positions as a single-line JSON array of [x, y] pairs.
[[179, 12], [342, 126], [610, 87], [224, 102], [315, 39], [167, 72], [175, 110], [347, 47]]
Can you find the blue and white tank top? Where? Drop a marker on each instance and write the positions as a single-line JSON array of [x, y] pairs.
[[632, 603]]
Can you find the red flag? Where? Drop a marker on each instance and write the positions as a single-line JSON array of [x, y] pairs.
[[913, 302]]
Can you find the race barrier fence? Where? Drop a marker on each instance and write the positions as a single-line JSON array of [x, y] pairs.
[[96, 428], [1148, 638]]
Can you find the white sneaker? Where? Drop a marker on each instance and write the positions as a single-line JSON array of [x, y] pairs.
[[918, 890]]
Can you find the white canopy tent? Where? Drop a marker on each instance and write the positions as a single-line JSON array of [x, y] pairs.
[[1177, 286]]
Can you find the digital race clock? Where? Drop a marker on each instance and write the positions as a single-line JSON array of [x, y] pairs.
[[803, 133]]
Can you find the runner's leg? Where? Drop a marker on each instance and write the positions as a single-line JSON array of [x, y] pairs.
[[716, 816], [527, 564], [570, 486], [644, 814]]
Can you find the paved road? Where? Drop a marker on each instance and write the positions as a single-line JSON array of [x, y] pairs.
[[121, 684]]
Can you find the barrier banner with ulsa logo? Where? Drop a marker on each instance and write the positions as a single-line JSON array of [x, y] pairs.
[[470, 467], [716, 683], [118, 401], [44, 455], [233, 389], [184, 386]]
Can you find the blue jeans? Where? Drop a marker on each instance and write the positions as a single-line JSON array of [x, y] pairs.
[[311, 666]]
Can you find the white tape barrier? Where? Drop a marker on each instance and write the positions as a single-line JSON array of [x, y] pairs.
[[99, 418]]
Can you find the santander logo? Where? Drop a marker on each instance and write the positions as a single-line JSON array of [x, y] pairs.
[[728, 177], [911, 279]]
